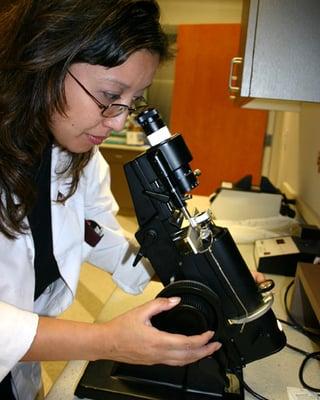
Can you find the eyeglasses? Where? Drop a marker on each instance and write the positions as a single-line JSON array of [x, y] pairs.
[[114, 109]]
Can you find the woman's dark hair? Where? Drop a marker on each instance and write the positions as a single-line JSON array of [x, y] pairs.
[[39, 40]]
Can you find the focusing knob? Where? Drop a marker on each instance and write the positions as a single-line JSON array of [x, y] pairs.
[[196, 313], [266, 286]]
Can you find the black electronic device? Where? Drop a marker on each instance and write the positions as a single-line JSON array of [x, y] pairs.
[[281, 255], [199, 262]]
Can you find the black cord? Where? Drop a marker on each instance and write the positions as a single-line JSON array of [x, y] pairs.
[[314, 355], [303, 352], [312, 335], [251, 391], [308, 356], [248, 388]]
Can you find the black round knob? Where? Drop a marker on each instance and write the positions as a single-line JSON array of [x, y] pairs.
[[266, 286]]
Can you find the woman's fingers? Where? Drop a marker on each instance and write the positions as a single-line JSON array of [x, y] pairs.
[[145, 344], [180, 358], [258, 276], [157, 306], [182, 349]]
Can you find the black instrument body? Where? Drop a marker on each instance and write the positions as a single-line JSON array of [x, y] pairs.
[[199, 262]]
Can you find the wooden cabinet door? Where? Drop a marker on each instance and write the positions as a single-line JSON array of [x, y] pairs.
[[117, 157], [225, 140]]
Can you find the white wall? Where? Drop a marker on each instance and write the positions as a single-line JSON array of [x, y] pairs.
[[309, 157], [294, 163], [284, 163]]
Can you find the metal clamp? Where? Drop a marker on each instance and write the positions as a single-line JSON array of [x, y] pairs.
[[265, 306]]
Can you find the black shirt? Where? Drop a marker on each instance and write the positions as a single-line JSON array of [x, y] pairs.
[[45, 265]]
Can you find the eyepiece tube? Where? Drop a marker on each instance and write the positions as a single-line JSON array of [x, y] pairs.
[[153, 126], [150, 121]]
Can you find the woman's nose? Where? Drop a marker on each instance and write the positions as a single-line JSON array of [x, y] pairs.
[[116, 123]]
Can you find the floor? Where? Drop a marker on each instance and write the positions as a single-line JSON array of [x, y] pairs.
[[95, 286]]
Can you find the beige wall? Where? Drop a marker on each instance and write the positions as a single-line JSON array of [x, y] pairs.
[[294, 158], [309, 160], [175, 12]]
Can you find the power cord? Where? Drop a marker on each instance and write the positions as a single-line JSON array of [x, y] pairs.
[[315, 355], [249, 389]]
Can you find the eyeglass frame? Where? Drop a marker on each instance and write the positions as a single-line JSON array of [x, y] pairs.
[[103, 107]]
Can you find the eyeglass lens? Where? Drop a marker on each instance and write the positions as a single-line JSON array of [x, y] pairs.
[[113, 110]]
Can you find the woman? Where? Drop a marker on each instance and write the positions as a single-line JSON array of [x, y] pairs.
[[70, 72]]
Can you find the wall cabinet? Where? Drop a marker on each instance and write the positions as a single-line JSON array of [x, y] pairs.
[[117, 156], [279, 51]]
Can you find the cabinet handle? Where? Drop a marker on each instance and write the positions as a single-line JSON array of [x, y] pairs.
[[232, 77]]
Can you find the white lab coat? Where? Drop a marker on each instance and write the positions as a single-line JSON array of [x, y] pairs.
[[18, 312]]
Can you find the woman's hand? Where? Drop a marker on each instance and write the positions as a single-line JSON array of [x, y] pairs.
[[258, 276], [131, 338]]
